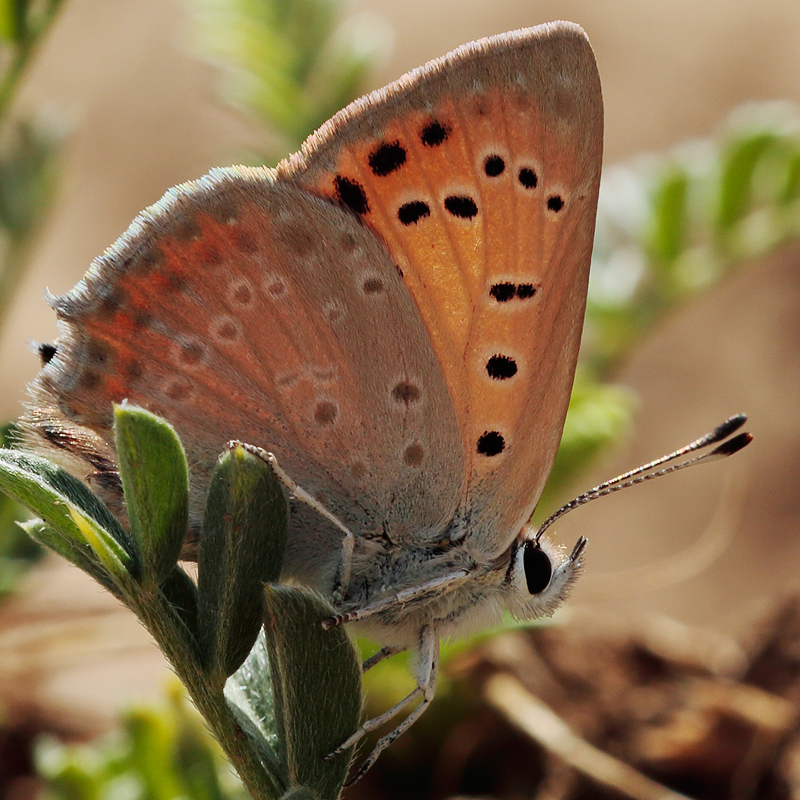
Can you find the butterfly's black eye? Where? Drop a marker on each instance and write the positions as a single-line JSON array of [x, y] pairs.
[[538, 569]]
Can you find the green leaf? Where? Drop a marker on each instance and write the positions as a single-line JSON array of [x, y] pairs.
[[241, 548], [81, 557], [18, 551], [62, 483], [249, 693], [316, 681], [791, 187], [105, 547], [88, 530], [155, 480]]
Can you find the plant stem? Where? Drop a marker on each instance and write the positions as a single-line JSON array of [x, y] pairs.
[[178, 646]]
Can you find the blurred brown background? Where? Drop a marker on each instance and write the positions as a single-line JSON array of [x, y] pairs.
[[144, 117]]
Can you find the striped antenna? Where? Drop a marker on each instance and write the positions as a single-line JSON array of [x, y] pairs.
[[648, 471]]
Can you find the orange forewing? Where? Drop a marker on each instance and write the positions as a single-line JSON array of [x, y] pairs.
[[533, 102]]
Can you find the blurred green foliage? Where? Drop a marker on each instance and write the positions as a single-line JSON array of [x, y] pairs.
[[28, 150], [23, 24], [157, 754], [28, 144], [669, 226], [672, 225], [288, 64], [29, 147]]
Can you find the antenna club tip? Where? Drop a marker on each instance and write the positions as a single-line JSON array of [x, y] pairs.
[[729, 426], [733, 445]]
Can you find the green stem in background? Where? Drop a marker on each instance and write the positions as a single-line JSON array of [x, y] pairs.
[[288, 64], [27, 147], [28, 156], [23, 29]]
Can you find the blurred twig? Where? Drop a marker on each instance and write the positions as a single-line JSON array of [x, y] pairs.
[[536, 720]]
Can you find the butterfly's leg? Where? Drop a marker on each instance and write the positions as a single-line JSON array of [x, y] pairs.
[[427, 674], [401, 598], [342, 579], [383, 653]]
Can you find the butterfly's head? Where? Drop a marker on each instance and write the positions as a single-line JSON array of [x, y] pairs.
[[540, 574]]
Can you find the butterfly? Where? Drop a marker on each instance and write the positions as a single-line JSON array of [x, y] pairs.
[[394, 313]]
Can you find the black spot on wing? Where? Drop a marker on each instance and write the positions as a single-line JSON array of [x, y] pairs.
[[413, 212], [461, 206], [491, 443], [435, 133], [351, 193], [387, 158], [501, 368], [528, 178], [414, 455], [372, 286], [503, 292], [525, 291], [406, 392], [494, 166], [325, 413]]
